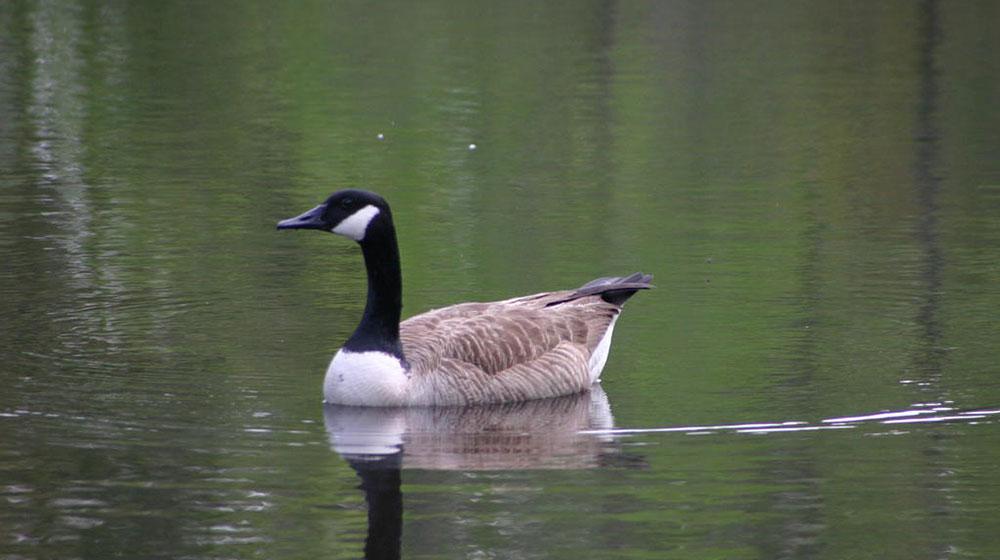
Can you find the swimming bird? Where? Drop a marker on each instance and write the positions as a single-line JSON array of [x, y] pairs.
[[531, 347]]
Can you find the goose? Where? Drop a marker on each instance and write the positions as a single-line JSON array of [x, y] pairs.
[[531, 347]]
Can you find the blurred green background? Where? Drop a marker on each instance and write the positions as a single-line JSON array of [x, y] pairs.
[[814, 185]]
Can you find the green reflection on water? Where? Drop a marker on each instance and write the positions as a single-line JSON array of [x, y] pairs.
[[814, 186]]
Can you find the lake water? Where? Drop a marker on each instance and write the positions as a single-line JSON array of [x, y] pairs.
[[815, 186]]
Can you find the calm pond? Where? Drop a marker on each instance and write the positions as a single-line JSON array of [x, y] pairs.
[[814, 185]]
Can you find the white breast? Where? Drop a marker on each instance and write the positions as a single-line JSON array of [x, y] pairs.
[[365, 379]]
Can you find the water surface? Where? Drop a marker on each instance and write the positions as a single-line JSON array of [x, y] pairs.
[[814, 186]]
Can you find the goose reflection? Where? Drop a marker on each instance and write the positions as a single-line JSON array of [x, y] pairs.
[[379, 443]]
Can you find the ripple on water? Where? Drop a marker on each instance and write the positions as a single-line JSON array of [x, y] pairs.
[[919, 413]]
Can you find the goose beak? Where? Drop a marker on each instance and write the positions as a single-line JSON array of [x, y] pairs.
[[312, 219]]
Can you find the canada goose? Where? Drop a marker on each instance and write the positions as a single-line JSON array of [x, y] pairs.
[[532, 347]]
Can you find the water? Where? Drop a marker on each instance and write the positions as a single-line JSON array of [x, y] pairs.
[[815, 187]]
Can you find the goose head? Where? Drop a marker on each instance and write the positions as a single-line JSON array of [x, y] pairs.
[[350, 212]]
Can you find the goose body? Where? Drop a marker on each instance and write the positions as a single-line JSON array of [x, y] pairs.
[[537, 346]]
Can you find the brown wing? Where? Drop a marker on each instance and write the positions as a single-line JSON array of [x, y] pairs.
[[510, 350]]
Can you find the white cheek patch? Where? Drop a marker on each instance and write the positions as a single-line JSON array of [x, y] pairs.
[[355, 225]]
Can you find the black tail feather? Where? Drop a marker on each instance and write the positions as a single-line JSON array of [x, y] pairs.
[[612, 289]]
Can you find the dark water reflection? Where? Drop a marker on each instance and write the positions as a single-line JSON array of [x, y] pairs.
[[569, 433], [381, 480], [546, 434], [530, 435], [815, 187]]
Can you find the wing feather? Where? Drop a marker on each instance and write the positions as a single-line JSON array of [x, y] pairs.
[[515, 349]]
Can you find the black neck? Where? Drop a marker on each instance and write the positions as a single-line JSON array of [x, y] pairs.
[[379, 328]]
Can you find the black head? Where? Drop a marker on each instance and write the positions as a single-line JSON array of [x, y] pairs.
[[348, 212]]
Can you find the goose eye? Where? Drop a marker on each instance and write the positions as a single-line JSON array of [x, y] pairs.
[[347, 203]]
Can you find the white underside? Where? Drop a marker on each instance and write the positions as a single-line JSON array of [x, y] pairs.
[[599, 356], [365, 379], [379, 379]]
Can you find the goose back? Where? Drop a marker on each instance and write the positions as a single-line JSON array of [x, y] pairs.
[[529, 347]]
